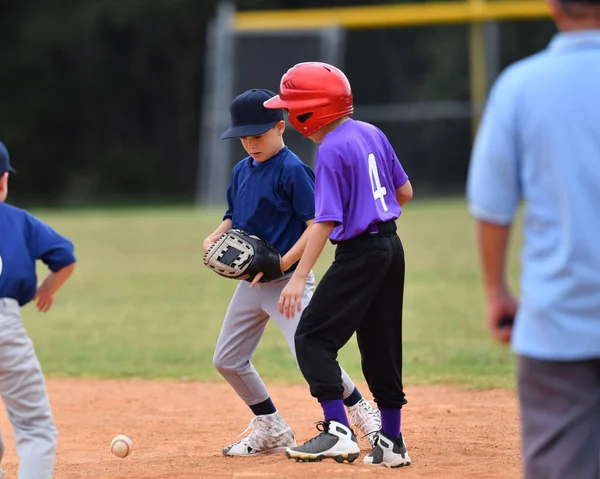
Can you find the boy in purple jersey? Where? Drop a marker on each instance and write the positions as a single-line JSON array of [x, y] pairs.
[[360, 188]]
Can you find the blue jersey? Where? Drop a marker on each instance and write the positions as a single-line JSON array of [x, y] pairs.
[[273, 199], [23, 240]]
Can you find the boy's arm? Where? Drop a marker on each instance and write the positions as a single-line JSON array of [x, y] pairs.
[[328, 210], [291, 297], [57, 253], [404, 194], [224, 226], [51, 284], [295, 253], [404, 191], [299, 184], [316, 241]]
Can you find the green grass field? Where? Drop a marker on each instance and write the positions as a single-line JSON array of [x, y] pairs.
[[142, 304]]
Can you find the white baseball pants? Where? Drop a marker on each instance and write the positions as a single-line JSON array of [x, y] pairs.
[[23, 390]]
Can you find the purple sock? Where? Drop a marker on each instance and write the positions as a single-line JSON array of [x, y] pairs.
[[390, 422], [334, 411]]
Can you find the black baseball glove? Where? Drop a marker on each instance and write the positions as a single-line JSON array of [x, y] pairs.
[[239, 255]]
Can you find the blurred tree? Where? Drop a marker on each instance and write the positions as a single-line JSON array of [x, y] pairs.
[[100, 99]]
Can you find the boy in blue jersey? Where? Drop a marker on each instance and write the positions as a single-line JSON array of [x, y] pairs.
[[271, 195], [23, 240]]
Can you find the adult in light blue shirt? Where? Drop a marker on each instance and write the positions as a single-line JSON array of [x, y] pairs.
[[539, 143]]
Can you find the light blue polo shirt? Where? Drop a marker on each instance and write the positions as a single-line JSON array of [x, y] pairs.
[[539, 142]]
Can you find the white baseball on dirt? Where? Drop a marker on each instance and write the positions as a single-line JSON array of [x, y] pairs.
[[121, 446]]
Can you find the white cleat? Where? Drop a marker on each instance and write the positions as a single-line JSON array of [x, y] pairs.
[[269, 433], [388, 452], [335, 441], [366, 418]]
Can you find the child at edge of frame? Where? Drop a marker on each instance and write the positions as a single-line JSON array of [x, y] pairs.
[[360, 189], [24, 239]]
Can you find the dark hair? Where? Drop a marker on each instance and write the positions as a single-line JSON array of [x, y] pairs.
[[581, 9]]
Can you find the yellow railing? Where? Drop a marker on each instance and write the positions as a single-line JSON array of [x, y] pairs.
[[395, 15], [473, 12], [477, 71]]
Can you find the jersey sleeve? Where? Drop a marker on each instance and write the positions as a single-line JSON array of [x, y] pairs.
[[493, 185], [230, 198], [45, 244], [299, 185], [329, 204]]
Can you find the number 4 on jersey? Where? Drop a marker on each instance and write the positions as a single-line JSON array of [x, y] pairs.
[[379, 191]]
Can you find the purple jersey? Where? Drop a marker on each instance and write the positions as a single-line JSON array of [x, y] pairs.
[[357, 174]]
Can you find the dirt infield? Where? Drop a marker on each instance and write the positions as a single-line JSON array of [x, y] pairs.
[[179, 429]]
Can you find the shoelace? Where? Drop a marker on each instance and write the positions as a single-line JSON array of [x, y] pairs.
[[361, 413], [254, 428], [322, 426]]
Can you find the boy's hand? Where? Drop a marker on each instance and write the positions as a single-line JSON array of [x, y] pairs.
[[284, 268], [291, 297], [44, 298], [209, 241], [256, 279], [48, 288]]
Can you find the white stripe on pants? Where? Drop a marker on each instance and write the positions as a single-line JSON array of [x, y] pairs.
[[23, 390], [243, 326]]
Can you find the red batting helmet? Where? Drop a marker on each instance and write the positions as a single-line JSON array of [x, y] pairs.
[[315, 94]]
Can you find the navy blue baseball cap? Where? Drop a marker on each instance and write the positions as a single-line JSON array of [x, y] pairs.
[[248, 115], [5, 160]]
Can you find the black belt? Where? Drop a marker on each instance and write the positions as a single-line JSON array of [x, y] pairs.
[[387, 228]]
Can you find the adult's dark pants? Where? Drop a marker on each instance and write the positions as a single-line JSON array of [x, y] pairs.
[[560, 417]]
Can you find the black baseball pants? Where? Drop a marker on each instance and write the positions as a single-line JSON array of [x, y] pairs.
[[361, 292]]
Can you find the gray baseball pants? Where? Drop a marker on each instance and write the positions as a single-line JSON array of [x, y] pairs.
[[23, 390], [560, 416], [243, 326]]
